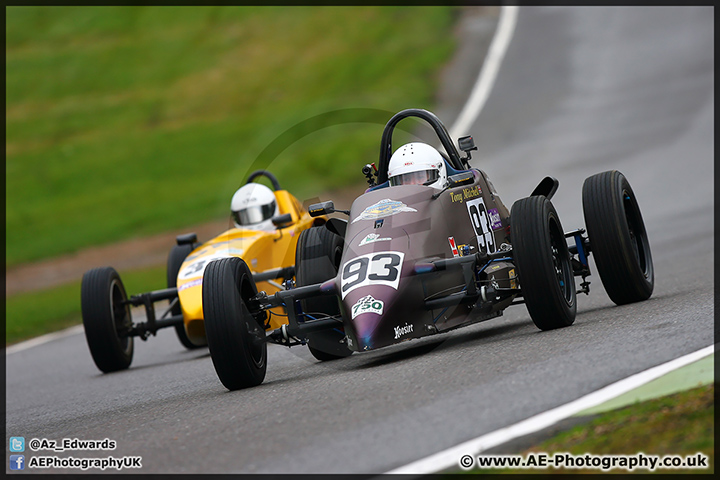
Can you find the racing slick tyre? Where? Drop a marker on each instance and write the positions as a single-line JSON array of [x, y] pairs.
[[618, 239], [106, 319], [317, 259], [236, 337], [543, 261], [177, 256]]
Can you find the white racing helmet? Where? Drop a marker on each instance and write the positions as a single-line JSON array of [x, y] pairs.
[[417, 164], [253, 206]]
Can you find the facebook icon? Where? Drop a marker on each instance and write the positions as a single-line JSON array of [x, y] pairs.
[[17, 462]]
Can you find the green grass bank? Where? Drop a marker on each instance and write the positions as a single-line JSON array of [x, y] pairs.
[[128, 121], [678, 424], [32, 314]]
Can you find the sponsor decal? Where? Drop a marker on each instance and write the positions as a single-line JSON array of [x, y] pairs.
[[367, 304], [379, 268], [465, 249], [190, 284], [453, 247], [494, 215], [372, 238], [466, 194], [404, 330], [253, 262], [511, 274], [379, 223], [481, 223], [384, 208]]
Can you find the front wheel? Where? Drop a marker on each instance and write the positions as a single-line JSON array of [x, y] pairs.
[[542, 258], [236, 336], [106, 319], [618, 240]]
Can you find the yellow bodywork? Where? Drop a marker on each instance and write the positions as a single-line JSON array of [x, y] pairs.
[[261, 251]]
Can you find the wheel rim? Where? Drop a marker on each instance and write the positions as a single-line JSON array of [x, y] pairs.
[[120, 315], [255, 344], [636, 229], [561, 264], [255, 338]]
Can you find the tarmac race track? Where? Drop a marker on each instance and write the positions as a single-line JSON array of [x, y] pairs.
[[580, 91]]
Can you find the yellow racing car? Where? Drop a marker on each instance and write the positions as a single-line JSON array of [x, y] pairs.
[[267, 226]]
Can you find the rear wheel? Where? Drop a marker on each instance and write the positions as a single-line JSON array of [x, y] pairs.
[[236, 336], [618, 240], [177, 256], [107, 319], [543, 261], [317, 259]]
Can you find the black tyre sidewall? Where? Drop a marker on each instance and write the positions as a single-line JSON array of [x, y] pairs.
[[316, 260], [176, 257], [532, 222], [605, 210], [227, 285], [101, 288]]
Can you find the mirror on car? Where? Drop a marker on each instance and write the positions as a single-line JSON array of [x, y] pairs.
[[322, 208], [466, 143], [186, 239], [282, 221], [460, 179]]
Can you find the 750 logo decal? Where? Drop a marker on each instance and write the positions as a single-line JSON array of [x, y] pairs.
[[367, 304], [380, 268]]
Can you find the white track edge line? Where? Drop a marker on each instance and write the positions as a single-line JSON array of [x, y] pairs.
[[488, 72], [450, 458], [34, 342]]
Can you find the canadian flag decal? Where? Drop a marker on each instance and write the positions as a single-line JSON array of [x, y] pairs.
[[453, 246]]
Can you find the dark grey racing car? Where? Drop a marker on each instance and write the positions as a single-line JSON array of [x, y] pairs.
[[415, 260]]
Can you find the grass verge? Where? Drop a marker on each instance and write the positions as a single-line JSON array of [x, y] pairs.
[[36, 313], [127, 121], [678, 424]]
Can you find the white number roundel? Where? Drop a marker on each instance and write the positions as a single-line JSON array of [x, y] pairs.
[[378, 268], [197, 268]]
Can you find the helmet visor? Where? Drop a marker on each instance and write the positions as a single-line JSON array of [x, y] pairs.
[[423, 177], [254, 214]]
